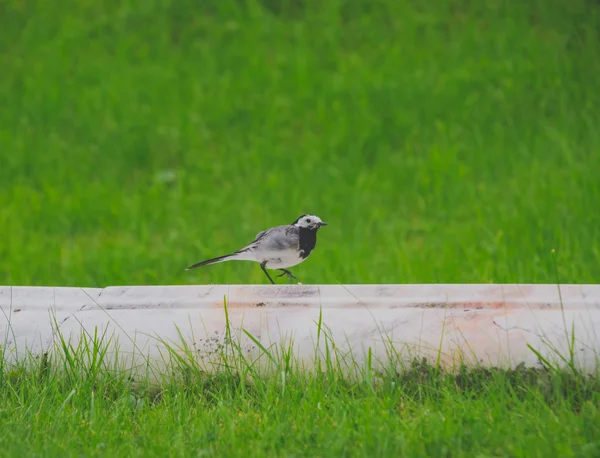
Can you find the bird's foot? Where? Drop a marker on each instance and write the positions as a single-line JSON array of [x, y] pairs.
[[288, 273]]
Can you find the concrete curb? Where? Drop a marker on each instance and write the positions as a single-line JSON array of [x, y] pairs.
[[489, 325]]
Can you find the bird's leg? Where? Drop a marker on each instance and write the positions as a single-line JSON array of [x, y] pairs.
[[263, 267], [288, 273]]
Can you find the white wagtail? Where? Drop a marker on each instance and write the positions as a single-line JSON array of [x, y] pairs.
[[277, 248]]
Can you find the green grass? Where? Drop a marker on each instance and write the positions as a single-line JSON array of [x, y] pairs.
[[443, 141], [73, 403]]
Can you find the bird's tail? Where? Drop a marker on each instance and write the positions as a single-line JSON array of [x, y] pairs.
[[212, 261], [242, 255]]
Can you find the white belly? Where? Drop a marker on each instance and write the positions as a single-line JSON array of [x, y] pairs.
[[281, 260]]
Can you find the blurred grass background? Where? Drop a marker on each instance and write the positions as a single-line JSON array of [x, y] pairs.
[[443, 141]]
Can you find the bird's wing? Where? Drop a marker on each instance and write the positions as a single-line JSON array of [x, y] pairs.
[[276, 238], [280, 238], [257, 240], [260, 235]]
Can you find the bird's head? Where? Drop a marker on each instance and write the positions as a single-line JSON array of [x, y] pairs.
[[311, 222]]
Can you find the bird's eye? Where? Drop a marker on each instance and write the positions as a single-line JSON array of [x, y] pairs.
[[307, 220]]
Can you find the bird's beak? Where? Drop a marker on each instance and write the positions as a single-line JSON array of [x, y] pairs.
[[322, 224]]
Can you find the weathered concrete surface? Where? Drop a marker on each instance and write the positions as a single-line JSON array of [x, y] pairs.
[[492, 325]]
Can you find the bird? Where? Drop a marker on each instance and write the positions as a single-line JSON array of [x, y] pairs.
[[277, 248]]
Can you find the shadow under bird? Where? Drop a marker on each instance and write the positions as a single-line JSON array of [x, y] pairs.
[[277, 248]]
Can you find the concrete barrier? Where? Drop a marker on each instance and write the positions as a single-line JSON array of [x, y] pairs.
[[489, 325]]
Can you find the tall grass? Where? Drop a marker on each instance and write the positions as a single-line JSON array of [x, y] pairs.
[[72, 402]]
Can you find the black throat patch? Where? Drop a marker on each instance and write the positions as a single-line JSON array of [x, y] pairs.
[[308, 240]]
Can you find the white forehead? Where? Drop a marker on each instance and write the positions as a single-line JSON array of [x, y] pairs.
[[307, 220]]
